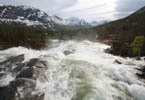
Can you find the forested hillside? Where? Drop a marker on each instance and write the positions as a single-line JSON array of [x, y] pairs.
[[123, 32], [19, 35]]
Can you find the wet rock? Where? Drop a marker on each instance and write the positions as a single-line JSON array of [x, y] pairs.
[[34, 97], [32, 62], [40, 69], [141, 73], [117, 61], [19, 67], [1, 75], [7, 93], [24, 87], [8, 65], [17, 59], [33, 69], [23, 83], [26, 73], [138, 58], [68, 52]]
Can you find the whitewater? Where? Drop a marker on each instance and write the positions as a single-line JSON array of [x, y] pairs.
[[81, 70]]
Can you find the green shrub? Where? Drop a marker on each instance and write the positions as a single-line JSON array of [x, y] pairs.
[[137, 45]]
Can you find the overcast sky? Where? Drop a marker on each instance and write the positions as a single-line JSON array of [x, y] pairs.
[[86, 9]]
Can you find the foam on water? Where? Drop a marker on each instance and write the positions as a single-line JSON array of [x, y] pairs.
[[87, 73]]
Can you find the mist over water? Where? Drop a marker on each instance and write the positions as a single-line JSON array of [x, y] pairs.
[[81, 70]]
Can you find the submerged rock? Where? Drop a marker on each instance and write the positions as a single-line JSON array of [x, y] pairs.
[[117, 61], [68, 52]]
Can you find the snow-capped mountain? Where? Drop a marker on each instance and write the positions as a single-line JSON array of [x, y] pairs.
[[78, 22], [72, 21], [32, 16], [26, 15], [96, 23]]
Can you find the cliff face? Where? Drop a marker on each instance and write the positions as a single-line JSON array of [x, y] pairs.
[[124, 31]]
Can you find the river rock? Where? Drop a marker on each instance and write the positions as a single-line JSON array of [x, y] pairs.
[[7, 65], [34, 69], [137, 58], [141, 73], [25, 76], [7, 93], [68, 52], [16, 59], [24, 83], [117, 61], [34, 97], [26, 73], [32, 62], [24, 87]]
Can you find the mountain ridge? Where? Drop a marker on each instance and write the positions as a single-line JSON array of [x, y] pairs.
[[33, 16]]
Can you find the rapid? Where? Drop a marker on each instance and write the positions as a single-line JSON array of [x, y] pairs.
[[81, 70]]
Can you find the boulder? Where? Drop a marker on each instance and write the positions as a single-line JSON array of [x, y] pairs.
[[34, 69], [12, 60], [39, 96], [141, 73], [32, 62], [40, 69], [19, 67], [7, 66], [137, 58], [23, 83], [26, 73], [24, 87], [7, 93]]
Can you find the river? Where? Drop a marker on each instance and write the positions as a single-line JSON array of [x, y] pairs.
[[81, 70]]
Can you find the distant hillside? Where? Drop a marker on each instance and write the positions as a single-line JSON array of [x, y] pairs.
[[124, 31]]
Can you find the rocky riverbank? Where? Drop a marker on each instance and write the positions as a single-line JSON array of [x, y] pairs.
[[18, 79]]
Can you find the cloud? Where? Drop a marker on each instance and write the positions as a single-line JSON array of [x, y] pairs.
[[51, 6], [125, 7], [85, 9], [91, 10]]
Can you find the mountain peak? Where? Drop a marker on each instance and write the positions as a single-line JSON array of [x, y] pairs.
[[33, 16]]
